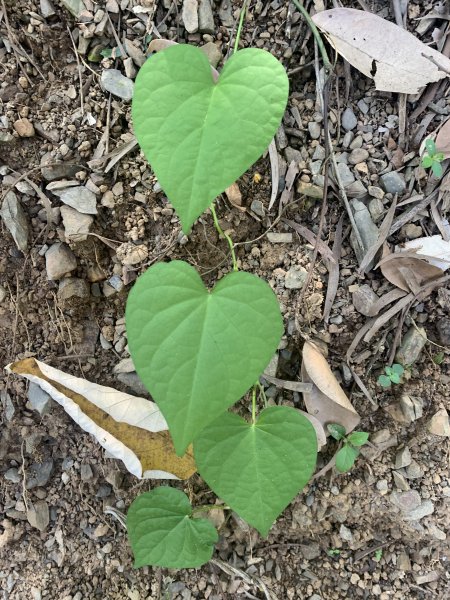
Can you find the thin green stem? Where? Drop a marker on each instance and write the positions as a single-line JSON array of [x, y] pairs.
[[241, 22], [223, 234], [254, 404], [323, 51]]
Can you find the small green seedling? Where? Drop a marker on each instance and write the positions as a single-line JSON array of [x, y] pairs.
[[333, 552], [378, 554], [347, 454], [392, 375], [432, 158]]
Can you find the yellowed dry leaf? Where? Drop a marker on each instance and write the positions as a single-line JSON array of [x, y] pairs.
[[327, 401], [407, 271], [146, 450], [394, 58]]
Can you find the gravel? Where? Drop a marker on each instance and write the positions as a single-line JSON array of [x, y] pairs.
[[113, 81], [59, 260], [81, 198], [349, 120], [393, 183]]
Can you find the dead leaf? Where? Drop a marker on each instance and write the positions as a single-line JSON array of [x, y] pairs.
[[132, 429], [406, 270], [234, 195], [394, 58], [434, 250], [327, 400], [443, 139]]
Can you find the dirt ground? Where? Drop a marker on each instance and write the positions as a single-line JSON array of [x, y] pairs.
[[380, 531]]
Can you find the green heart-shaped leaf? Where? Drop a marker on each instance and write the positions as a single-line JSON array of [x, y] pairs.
[[345, 458], [163, 533], [197, 351], [200, 136], [257, 469]]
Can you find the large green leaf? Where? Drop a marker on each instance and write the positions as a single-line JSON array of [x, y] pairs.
[[163, 533], [200, 136], [257, 469], [197, 351]]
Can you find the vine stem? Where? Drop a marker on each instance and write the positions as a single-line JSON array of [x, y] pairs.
[[254, 404], [323, 51], [223, 234], [241, 22]]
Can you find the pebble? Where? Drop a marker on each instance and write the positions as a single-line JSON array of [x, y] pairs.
[[280, 238], [412, 345], [12, 475], [213, 54], [38, 474], [314, 130], [59, 260], [414, 470], [131, 254], [38, 515], [39, 399], [257, 207], [346, 175], [24, 128], [406, 501], [189, 15], [382, 486], [393, 183], [400, 481], [226, 13], [412, 407], [358, 155], [113, 81], [86, 473], [347, 139], [349, 120], [295, 278], [73, 287], [133, 381], [367, 229], [363, 300], [363, 107], [47, 9], [8, 406], [375, 192], [411, 231], [356, 190], [425, 509], [6, 137], [308, 189], [205, 17], [73, 6], [345, 534], [403, 458], [81, 198], [76, 224], [376, 209], [310, 551], [60, 170], [403, 562], [439, 423], [443, 329], [135, 53], [15, 220], [292, 154], [130, 69], [319, 153]]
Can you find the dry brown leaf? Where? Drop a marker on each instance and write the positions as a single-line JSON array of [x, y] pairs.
[[406, 270], [327, 400], [146, 450], [393, 57], [443, 139], [234, 195]]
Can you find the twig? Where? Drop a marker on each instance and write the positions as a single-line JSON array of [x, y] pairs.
[[241, 22]]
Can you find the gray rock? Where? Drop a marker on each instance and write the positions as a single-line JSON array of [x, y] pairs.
[[15, 220], [272, 367], [400, 481], [346, 175], [76, 225], [345, 534], [258, 208], [358, 155], [86, 473], [124, 366], [56, 170], [38, 515], [363, 107], [414, 470], [130, 69], [38, 474], [114, 82], [319, 153], [349, 120], [8, 406], [133, 381], [292, 154], [367, 230], [314, 130], [376, 209], [406, 501], [71, 288], [393, 183], [81, 198], [39, 399], [47, 9], [375, 192], [310, 551], [226, 13], [135, 53], [364, 299], [315, 167], [295, 278], [189, 15], [3, 293], [348, 138], [6, 137], [412, 407], [403, 562], [213, 54], [425, 509], [205, 17], [12, 475], [73, 6], [279, 238], [403, 458], [439, 423], [443, 329], [411, 231], [412, 345], [356, 189], [59, 260]]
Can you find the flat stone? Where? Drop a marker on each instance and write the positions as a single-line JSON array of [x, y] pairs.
[[356, 189], [39, 399], [135, 53], [125, 366], [76, 224], [400, 481], [3, 293], [295, 278], [59, 260], [363, 107], [226, 13], [258, 208], [347, 140], [6, 137], [292, 154], [8, 406], [112, 6], [47, 9], [358, 155], [345, 173], [403, 458], [38, 474], [38, 515], [81, 198], [411, 231], [349, 120], [205, 17], [12, 475], [130, 69], [403, 562], [414, 470], [86, 473], [114, 82], [393, 183], [56, 170], [366, 227], [411, 406], [24, 128], [406, 501], [376, 209], [439, 423], [15, 220], [412, 345], [213, 54], [443, 329], [363, 300], [314, 130], [310, 551], [133, 381], [72, 287], [279, 238], [319, 153], [425, 509], [345, 534], [375, 192], [189, 15], [73, 6], [309, 189]]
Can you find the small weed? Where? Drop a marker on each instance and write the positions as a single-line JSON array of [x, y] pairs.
[[346, 456], [432, 158], [333, 552], [392, 375], [378, 554]]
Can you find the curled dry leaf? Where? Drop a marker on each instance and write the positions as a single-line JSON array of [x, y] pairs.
[[132, 429], [395, 59], [327, 401], [434, 250]]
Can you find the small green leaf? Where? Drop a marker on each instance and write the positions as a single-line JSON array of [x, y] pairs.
[[336, 431], [436, 167], [345, 458], [163, 533], [358, 438], [199, 135], [438, 358], [395, 378], [399, 369], [384, 381], [257, 469], [439, 156], [427, 161], [199, 351], [378, 554], [389, 371], [333, 552], [430, 146]]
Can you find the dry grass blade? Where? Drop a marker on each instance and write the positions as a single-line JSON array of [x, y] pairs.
[[275, 169], [293, 386], [287, 193], [333, 271], [250, 580], [408, 215], [439, 222], [387, 316], [382, 236]]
